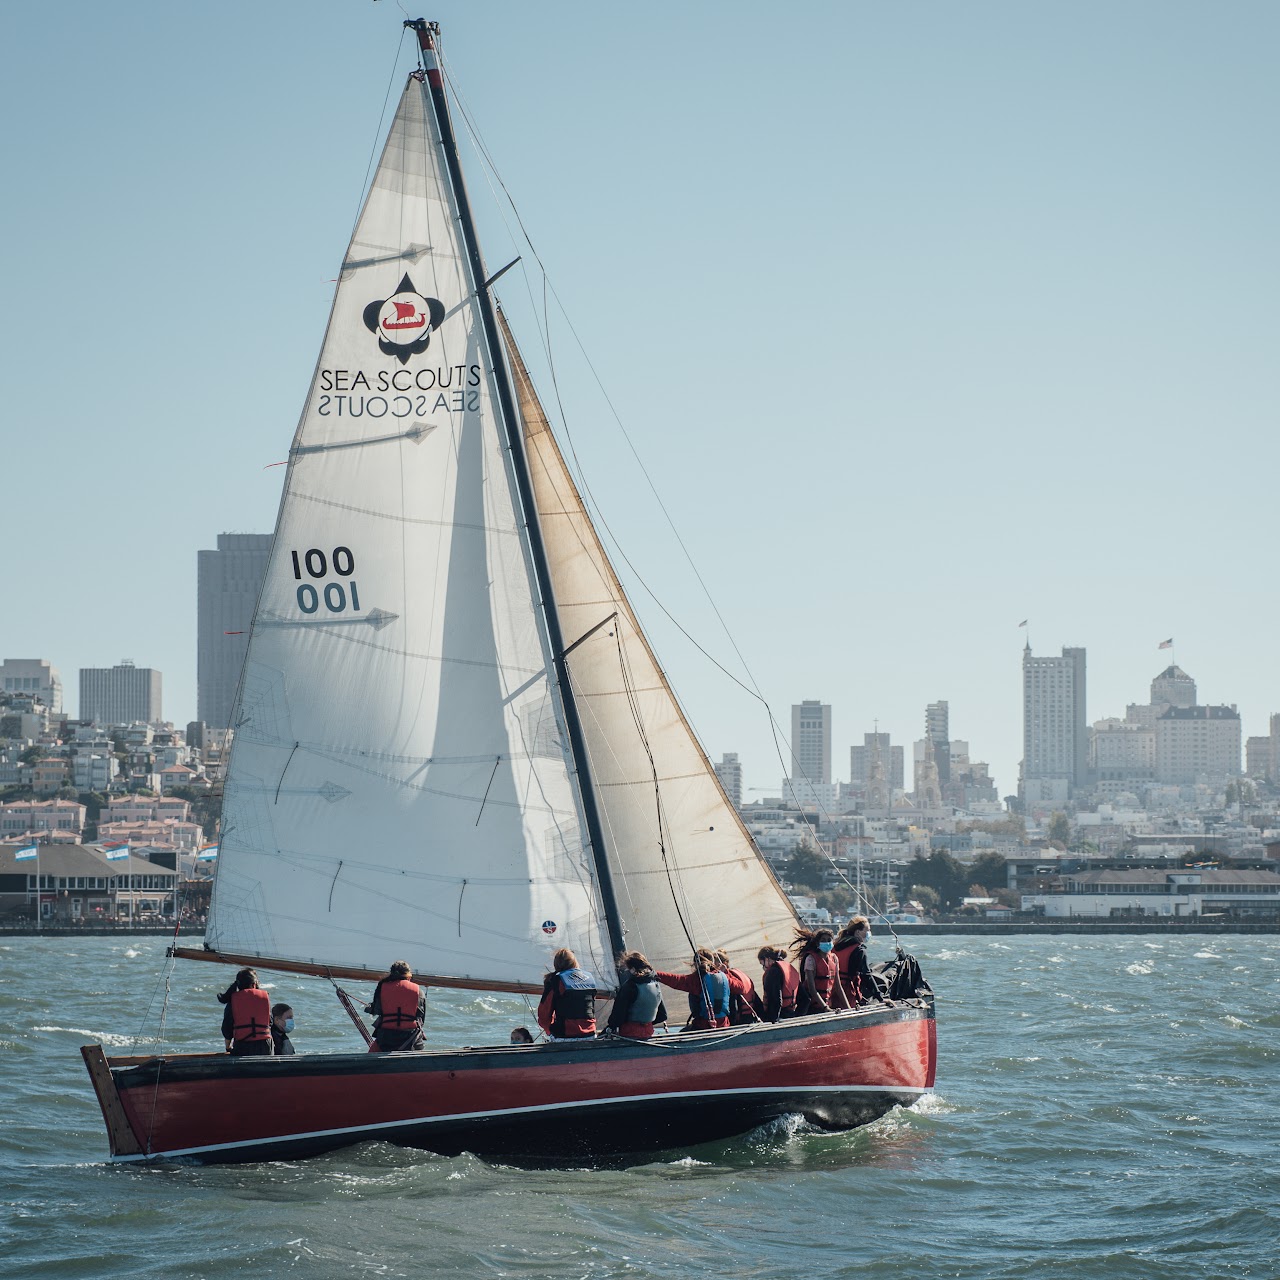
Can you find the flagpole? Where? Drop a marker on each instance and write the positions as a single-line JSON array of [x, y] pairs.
[[38, 904]]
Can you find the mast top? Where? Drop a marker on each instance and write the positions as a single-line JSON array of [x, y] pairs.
[[426, 33]]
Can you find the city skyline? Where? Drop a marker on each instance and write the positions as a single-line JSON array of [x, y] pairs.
[[969, 328]]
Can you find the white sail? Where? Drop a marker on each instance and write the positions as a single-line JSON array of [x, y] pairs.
[[684, 866], [399, 784]]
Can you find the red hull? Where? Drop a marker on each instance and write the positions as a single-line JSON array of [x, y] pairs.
[[570, 1099]]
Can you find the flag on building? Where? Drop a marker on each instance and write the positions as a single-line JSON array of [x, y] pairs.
[[207, 853], [116, 849], [26, 852], [1166, 644]]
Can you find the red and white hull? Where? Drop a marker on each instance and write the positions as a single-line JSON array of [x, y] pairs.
[[569, 1101]]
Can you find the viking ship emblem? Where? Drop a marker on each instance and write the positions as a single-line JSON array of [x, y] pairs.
[[404, 321]]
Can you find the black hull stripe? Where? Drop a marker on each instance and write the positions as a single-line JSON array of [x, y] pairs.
[[901, 1091]]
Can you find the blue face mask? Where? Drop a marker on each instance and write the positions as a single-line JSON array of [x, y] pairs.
[[288, 1025], [824, 947]]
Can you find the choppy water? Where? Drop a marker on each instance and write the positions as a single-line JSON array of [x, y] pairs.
[[1106, 1107]]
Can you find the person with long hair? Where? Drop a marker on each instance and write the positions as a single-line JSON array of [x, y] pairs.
[[744, 1003], [638, 1004], [811, 949], [567, 1010], [850, 951], [708, 991]]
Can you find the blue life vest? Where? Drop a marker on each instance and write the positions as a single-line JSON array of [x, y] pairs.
[[714, 996], [644, 1005]]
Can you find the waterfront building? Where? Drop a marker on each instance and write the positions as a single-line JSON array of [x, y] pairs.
[[34, 676], [1055, 740], [42, 818], [120, 695], [729, 771], [228, 580], [811, 741], [1099, 893]]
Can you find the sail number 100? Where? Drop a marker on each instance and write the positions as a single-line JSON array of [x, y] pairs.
[[336, 596]]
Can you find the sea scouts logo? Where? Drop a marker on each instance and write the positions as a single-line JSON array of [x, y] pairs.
[[548, 926], [404, 321]]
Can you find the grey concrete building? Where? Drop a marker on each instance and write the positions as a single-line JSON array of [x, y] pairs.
[[228, 581]]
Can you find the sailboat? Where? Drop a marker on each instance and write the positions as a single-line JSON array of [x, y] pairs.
[[454, 744]]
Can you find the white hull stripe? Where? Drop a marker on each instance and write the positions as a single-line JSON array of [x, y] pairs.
[[515, 1111]]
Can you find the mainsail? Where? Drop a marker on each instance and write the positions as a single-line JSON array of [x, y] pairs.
[[400, 783], [685, 869]]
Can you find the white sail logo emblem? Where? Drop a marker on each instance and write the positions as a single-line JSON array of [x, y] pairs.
[[404, 321]]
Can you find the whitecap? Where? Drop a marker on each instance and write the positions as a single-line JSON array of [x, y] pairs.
[[1138, 968], [102, 1037], [1232, 1021], [1207, 955], [132, 953]]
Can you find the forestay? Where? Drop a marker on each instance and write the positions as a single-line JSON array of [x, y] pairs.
[[684, 866], [399, 782]]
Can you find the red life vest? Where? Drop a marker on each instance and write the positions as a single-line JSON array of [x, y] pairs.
[[825, 971], [851, 982], [790, 986], [250, 1015], [399, 1003]]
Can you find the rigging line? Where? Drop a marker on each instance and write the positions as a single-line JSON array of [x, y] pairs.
[[283, 771], [547, 286], [485, 797], [460, 893], [337, 872]]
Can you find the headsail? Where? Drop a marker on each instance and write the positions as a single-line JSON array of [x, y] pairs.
[[399, 782], [684, 866]]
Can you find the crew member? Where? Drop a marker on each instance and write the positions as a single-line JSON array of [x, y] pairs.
[[399, 1006], [744, 1003], [781, 983], [520, 1035], [850, 951], [281, 1025], [567, 1010], [638, 1004], [246, 1021], [818, 971], [708, 992]]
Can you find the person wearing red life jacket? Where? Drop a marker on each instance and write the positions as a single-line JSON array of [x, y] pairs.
[[744, 1003], [638, 1004], [818, 971], [246, 1021], [399, 1006], [850, 951], [708, 992], [567, 1010], [781, 984]]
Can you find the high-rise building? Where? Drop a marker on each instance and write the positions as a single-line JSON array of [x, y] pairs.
[[34, 676], [121, 694], [729, 771], [1055, 733], [811, 741], [228, 582], [1195, 743], [892, 760], [937, 728]]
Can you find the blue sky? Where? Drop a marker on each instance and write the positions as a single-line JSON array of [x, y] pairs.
[[924, 319]]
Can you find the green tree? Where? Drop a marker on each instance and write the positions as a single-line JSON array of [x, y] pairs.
[[990, 870], [807, 869], [926, 896], [1059, 829], [948, 877]]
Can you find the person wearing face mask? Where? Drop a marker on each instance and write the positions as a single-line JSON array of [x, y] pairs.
[[850, 951], [281, 1025], [818, 971]]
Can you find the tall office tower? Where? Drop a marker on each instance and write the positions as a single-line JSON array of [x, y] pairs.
[[811, 741], [120, 694], [1055, 734], [729, 771], [937, 728], [228, 582], [35, 676], [1173, 688]]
